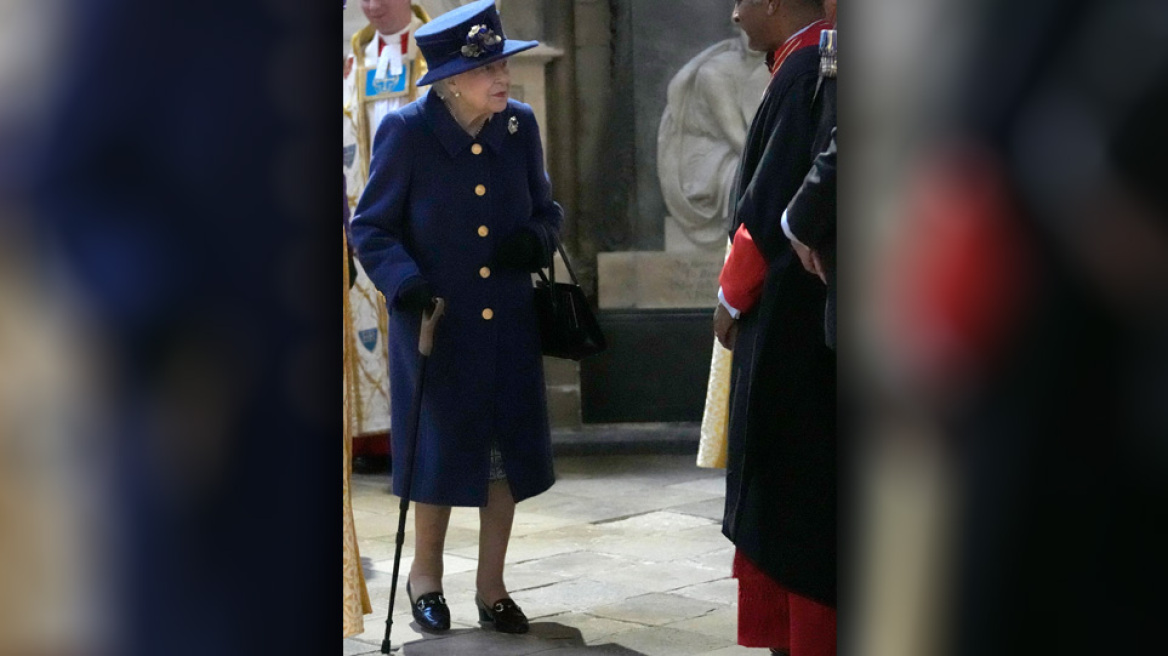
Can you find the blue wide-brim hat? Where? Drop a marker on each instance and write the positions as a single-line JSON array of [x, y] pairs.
[[464, 39]]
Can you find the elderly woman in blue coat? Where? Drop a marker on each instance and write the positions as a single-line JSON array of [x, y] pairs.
[[458, 206]]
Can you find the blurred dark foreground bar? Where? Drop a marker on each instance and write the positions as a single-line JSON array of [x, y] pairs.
[[170, 381], [1008, 230]]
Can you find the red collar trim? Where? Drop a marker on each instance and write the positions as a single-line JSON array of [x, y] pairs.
[[405, 43], [808, 36]]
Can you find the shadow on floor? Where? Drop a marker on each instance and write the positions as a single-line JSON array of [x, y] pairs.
[[545, 637]]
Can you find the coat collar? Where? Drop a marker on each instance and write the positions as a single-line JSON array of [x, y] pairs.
[[453, 138]]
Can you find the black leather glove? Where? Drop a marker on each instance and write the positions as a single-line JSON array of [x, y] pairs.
[[521, 250], [415, 296]]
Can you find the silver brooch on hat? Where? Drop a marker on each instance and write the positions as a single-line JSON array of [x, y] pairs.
[[481, 39], [513, 125]]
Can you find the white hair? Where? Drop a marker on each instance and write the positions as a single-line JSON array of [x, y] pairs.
[[442, 88]]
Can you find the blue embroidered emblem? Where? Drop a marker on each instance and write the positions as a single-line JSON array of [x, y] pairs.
[[368, 338], [389, 85]]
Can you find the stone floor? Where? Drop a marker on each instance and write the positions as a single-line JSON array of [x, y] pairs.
[[624, 556]]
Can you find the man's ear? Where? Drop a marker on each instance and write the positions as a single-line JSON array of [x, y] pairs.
[[772, 7]]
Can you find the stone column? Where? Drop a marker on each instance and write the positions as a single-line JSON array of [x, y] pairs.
[[600, 206], [560, 27]]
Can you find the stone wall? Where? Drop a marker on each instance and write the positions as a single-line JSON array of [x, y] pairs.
[[606, 97]]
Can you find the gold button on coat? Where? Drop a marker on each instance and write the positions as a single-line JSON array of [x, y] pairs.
[[484, 231], [480, 190], [476, 149], [488, 314], [485, 272]]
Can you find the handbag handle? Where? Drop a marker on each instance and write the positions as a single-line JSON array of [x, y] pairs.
[[552, 267]]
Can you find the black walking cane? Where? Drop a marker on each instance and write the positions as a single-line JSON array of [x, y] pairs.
[[425, 346]]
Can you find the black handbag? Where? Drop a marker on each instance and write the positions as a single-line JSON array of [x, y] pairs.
[[567, 327]]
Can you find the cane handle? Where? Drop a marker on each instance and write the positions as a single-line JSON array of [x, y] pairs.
[[429, 323]]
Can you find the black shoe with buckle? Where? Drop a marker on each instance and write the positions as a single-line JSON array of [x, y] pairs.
[[504, 614], [430, 610]]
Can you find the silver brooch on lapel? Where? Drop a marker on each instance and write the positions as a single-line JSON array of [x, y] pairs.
[[513, 125]]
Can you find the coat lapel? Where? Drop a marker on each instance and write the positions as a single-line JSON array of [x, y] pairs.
[[451, 135]]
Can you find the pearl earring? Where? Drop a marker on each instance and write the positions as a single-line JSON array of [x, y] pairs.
[[457, 94]]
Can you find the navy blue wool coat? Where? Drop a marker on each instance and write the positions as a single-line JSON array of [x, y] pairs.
[[437, 203]]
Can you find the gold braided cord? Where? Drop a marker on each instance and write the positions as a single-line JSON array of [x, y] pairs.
[[349, 335], [419, 67], [359, 41], [352, 366], [368, 377], [348, 331], [367, 296], [356, 603]]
